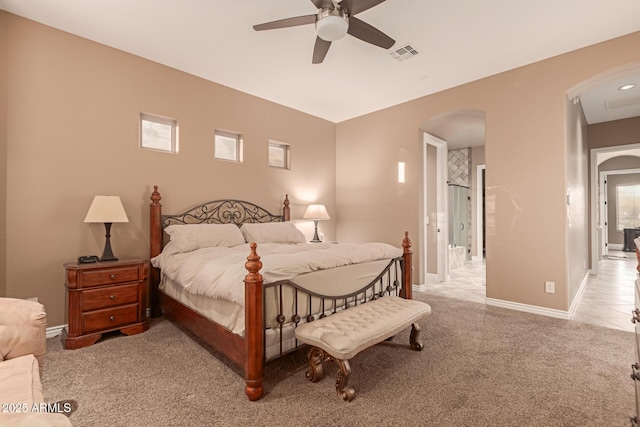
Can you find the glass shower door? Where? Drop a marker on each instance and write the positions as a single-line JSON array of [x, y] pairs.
[[459, 204]]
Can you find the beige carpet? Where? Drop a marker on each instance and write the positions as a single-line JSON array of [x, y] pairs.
[[481, 366]]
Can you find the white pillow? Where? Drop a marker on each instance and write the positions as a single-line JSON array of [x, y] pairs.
[[272, 232], [190, 237]]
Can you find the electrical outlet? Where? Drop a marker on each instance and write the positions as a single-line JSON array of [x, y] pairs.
[[33, 299], [550, 287]]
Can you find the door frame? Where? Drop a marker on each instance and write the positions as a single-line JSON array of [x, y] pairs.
[[604, 212], [442, 220], [597, 156], [479, 214]]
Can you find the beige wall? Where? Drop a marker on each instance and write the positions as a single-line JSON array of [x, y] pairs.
[[72, 133], [526, 168], [618, 132], [577, 198], [4, 41]]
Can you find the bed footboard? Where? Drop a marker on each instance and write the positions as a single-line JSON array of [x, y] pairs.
[[286, 304]]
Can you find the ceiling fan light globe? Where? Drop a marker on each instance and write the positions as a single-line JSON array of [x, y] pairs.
[[332, 27]]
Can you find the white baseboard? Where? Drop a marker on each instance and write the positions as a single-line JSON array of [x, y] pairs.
[[578, 297], [615, 246], [419, 288], [54, 331], [534, 309]]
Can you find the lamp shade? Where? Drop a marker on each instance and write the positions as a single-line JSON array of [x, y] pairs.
[[316, 212], [106, 209]]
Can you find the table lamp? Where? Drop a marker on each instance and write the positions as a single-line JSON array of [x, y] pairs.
[[106, 209], [316, 213]]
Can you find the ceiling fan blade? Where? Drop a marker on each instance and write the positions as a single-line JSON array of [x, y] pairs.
[[323, 4], [320, 50], [353, 7], [287, 22], [368, 33]]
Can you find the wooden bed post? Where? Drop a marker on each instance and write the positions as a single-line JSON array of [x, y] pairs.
[[253, 326], [406, 273], [156, 248], [286, 211]]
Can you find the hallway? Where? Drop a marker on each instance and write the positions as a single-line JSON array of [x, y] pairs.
[[607, 299]]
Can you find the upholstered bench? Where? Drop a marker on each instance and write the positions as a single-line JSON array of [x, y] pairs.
[[344, 334]]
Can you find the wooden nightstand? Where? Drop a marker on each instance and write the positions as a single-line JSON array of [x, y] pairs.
[[104, 297]]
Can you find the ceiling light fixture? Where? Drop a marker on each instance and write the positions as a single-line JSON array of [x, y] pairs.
[[627, 87], [332, 24]]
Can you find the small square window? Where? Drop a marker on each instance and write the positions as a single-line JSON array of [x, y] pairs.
[[228, 146], [158, 133], [279, 155]]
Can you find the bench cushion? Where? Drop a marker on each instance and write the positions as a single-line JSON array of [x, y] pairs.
[[348, 332]]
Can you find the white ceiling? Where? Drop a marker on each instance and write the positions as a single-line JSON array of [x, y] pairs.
[[458, 41]]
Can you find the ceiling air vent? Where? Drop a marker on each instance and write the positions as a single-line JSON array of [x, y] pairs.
[[406, 51]]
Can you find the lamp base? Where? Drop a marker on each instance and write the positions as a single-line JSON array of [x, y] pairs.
[[107, 253], [315, 239]]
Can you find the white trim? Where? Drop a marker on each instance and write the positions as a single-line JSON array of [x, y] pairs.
[[420, 288], [604, 176], [576, 300], [479, 217], [616, 246], [598, 79], [534, 309], [603, 196], [54, 331]]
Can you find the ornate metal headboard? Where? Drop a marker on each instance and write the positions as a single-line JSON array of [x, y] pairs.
[[228, 211]]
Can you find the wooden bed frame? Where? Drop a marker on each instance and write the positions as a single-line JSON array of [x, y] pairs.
[[246, 352]]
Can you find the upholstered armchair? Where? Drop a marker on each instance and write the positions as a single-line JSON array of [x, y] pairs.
[[22, 349]]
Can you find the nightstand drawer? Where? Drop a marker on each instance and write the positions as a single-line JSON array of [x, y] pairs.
[[94, 299], [109, 318], [112, 275]]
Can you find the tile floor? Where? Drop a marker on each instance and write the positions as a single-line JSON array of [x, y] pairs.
[[607, 300]]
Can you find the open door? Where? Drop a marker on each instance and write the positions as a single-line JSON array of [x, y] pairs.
[[434, 225]]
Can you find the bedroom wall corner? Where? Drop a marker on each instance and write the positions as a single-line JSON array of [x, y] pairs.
[[3, 151]]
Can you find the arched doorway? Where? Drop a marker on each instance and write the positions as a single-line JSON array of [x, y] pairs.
[[461, 133]]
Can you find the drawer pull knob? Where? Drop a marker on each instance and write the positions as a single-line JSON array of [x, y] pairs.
[[636, 316], [113, 319], [113, 297], [113, 276]]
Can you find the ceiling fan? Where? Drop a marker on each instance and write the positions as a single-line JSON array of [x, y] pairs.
[[333, 21]]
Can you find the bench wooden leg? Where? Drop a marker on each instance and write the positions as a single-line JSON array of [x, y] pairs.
[[344, 370], [316, 358], [414, 340], [315, 373]]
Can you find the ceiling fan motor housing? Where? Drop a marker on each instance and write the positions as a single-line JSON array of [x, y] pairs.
[[332, 24]]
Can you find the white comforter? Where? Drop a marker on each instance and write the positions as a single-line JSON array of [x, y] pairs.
[[219, 272]]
